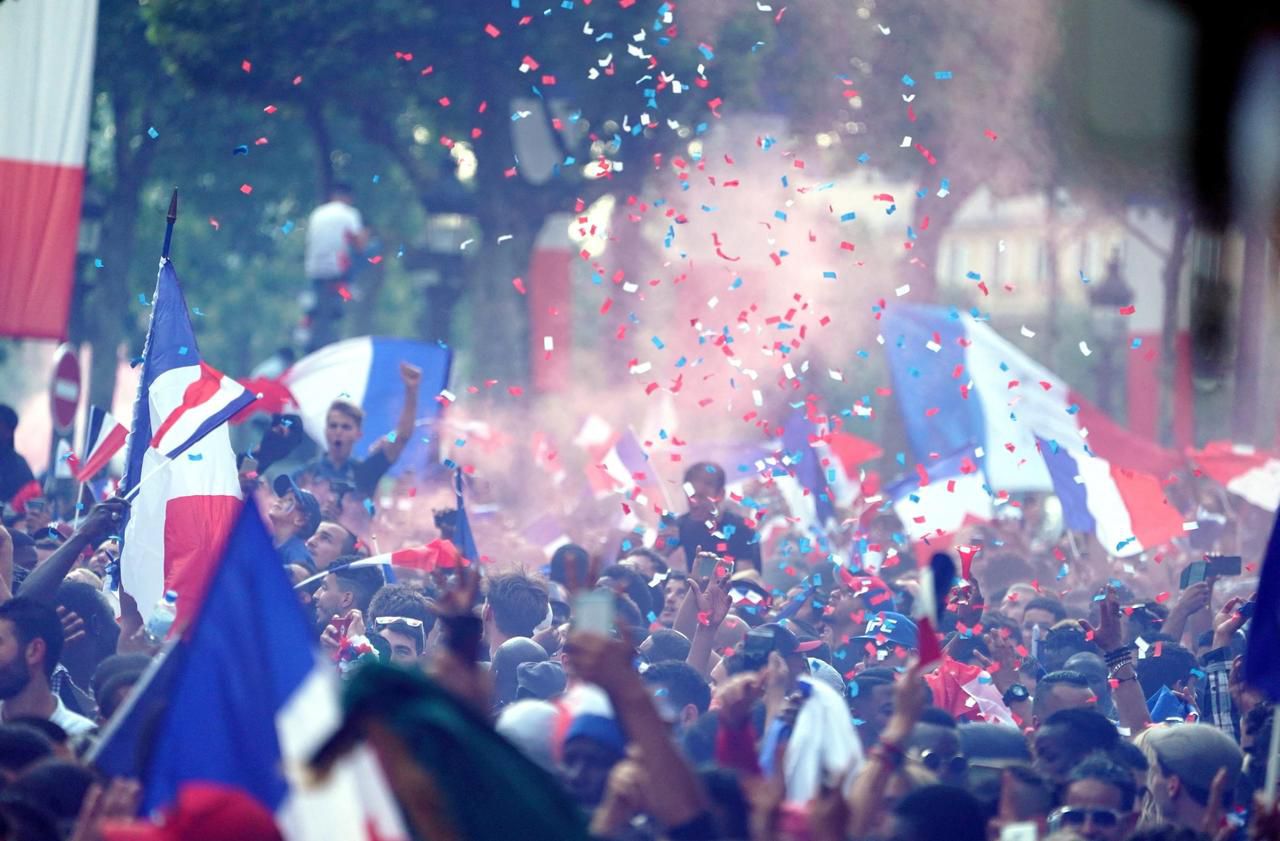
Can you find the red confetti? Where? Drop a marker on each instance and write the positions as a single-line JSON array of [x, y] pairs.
[[518, 283], [1161, 598], [246, 65], [246, 189], [491, 30], [1129, 310], [270, 109]]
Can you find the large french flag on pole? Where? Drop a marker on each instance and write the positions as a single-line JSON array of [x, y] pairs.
[[961, 386], [182, 513], [46, 62], [243, 699], [366, 371]]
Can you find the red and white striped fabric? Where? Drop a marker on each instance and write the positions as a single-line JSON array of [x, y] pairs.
[[1253, 475], [46, 62], [107, 441]]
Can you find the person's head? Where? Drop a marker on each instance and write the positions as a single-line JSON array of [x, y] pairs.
[[993, 745], [30, 644], [25, 555], [82, 656], [402, 616], [626, 581], [938, 813], [888, 639], [345, 589], [107, 553], [294, 512], [665, 644], [1098, 801], [704, 483], [1167, 664], [506, 663], [343, 192], [329, 542], [1060, 643], [871, 702], [777, 637], [1185, 759], [1042, 611], [1060, 690], [8, 424], [1094, 669], [530, 725], [936, 746], [343, 426], [593, 744], [1023, 796], [1067, 737], [570, 566], [680, 692], [646, 562], [20, 747], [56, 785], [732, 631], [673, 592], [515, 604]]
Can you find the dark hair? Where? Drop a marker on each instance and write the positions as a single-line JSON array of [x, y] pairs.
[[53, 732], [1165, 832], [8, 416], [866, 681], [106, 697], [93, 608], [116, 664], [659, 565], [360, 582], [33, 620], [341, 188], [1046, 685], [1087, 730], [401, 600], [570, 566], [350, 542], [1060, 643], [56, 785], [666, 644], [1053, 606], [942, 813], [21, 745], [636, 588], [683, 684], [1128, 755], [1174, 663], [937, 716], [519, 603], [996, 622], [1099, 767], [715, 471]]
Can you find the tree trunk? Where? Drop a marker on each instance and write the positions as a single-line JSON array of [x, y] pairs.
[[1169, 324], [320, 135], [928, 246], [1249, 348]]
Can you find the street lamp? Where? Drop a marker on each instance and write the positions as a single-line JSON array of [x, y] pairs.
[[1106, 300]]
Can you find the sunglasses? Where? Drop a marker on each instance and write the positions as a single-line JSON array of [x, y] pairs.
[[383, 621], [939, 763], [1074, 816]]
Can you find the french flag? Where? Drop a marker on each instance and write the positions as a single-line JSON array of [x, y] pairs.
[[181, 514], [437, 555], [104, 437], [242, 699], [943, 498], [366, 371], [1253, 475], [1126, 509], [961, 386], [46, 62], [618, 464]]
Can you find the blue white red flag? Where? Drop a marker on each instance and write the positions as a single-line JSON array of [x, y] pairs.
[[243, 699], [181, 514], [104, 437]]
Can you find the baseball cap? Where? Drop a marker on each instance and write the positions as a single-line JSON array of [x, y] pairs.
[[284, 484], [1194, 753], [202, 812], [784, 639], [889, 628]]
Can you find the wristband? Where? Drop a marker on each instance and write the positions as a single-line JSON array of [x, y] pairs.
[[1118, 656]]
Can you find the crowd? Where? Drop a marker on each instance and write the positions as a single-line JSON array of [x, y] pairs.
[[707, 685]]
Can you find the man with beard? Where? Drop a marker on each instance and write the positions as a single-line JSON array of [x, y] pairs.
[[343, 428], [30, 644]]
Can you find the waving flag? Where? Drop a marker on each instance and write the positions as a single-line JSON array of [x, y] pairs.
[[46, 62], [962, 387], [618, 464], [181, 514], [366, 371], [104, 438], [242, 699], [1126, 509], [1253, 475], [942, 499]]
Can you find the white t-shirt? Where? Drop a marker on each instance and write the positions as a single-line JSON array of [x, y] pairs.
[[74, 723], [329, 230]]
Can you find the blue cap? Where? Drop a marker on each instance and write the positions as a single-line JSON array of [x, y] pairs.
[[893, 628], [598, 728]]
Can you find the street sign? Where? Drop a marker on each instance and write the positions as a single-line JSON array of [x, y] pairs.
[[64, 393]]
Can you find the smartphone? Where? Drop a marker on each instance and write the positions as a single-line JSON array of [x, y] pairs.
[[1195, 572], [1220, 565], [756, 648], [341, 624], [1246, 609], [704, 565], [593, 612]]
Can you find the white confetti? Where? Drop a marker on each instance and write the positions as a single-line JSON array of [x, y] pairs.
[[789, 371], [835, 375], [1030, 334], [548, 343], [906, 142], [1084, 348], [757, 397], [902, 290], [506, 237], [933, 346], [1190, 525]]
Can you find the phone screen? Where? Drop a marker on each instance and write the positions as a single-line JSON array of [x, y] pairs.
[[1224, 565], [704, 565], [593, 612], [1020, 831]]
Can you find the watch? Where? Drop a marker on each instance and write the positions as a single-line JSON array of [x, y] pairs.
[[1015, 694]]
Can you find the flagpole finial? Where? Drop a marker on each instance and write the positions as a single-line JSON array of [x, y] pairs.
[[171, 218]]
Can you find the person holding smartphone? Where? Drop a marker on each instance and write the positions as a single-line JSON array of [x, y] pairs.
[[709, 525]]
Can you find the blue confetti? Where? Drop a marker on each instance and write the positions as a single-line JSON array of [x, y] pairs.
[[240, 150], [368, 506], [908, 81], [287, 227], [194, 457], [97, 263], [1137, 343], [152, 133], [848, 217], [942, 74], [183, 350]]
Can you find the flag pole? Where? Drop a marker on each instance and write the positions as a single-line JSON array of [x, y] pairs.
[[171, 218]]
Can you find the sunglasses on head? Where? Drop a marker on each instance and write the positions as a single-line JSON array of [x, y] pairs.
[[940, 762], [383, 621], [1079, 816]]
